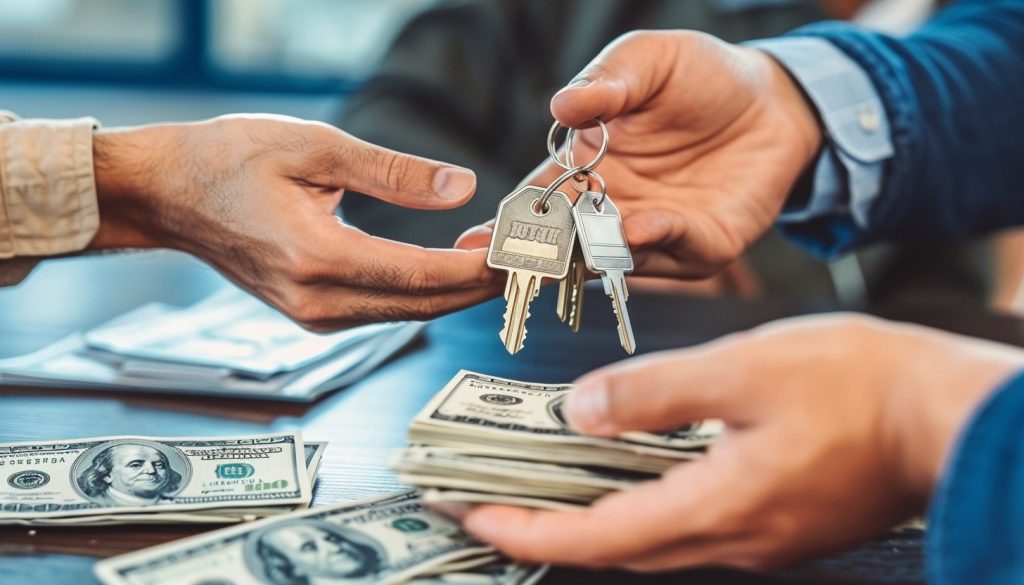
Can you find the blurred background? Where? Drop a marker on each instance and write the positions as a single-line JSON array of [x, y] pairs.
[[466, 81], [139, 61]]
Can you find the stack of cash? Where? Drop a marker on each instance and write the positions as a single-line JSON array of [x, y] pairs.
[[487, 439], [136, 480], [383, 540]]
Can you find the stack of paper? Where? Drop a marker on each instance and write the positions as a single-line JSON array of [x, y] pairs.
[[229, 344]]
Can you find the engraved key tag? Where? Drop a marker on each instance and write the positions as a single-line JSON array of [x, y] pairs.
[[532, 240]]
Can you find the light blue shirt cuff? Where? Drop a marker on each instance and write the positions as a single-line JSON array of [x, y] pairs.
[[848, 174]]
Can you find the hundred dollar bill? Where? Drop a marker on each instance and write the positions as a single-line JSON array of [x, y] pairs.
[[445, 496], [388, 539], [439, 467], [526, 421], [314, 452], [491, 574], [128, 474]]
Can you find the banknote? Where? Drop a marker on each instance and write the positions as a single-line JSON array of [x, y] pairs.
[[439, 467], [497, 573], [512, 417], [444, 496], [108, 476], [484, 439], [388, 539], [313, 456]]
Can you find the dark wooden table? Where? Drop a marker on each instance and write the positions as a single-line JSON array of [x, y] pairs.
[[364, 422]]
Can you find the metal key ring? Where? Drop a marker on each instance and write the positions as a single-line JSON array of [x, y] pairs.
[[569, 165], [542, 201], [600, 181]]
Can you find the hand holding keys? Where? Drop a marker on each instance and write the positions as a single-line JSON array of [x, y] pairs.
[[535, 236]]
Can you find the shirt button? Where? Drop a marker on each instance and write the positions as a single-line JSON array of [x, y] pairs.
[[868, 119]]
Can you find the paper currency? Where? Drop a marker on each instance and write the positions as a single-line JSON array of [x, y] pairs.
[[492, 574], [448, 468], [484, 438], [389, 539], [115, 478]]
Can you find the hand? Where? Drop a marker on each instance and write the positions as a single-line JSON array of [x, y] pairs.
[[706, 141], [837, 428], [255, 197]]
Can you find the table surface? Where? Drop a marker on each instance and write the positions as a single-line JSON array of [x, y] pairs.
[[364, 422]]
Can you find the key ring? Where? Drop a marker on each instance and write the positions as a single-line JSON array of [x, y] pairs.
[[542, 201], [569, 164], [571, 170], [600, 181]]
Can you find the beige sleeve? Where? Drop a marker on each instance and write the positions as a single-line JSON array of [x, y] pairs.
[[48, 201]]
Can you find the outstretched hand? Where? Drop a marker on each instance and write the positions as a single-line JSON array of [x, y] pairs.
[[255, 196]]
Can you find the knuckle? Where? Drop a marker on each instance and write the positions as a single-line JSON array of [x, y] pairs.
[[396, 170], [309, 312], [376, 310], [422, 280], [301, 267], [423, 309]]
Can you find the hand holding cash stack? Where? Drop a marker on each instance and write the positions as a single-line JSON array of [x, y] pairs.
[[484, 439]]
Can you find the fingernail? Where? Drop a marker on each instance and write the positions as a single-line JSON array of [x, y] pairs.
[[581, 82], [574, 84], [454, 184], [587, 408]]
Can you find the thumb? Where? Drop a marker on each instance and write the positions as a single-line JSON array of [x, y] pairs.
[[622, 78], [663, 391], [476, 237], [403, 179]]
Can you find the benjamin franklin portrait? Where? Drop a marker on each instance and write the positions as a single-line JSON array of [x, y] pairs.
[[130, 473], [309, 551]]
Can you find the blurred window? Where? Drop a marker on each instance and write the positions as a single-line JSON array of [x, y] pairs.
[[123, 30], [284, 45], [306, 38]]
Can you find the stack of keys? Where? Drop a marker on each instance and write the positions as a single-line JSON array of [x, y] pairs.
[[535, 237]]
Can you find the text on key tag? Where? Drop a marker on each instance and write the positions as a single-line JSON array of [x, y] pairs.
[[529, 244], [526, 240]]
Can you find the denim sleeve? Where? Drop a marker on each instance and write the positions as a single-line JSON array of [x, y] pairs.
[[953, 99], [976, 521], [848, 174]]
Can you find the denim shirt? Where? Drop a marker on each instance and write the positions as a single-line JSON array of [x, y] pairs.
[[943, 158]]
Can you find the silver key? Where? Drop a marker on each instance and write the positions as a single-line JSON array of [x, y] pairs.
[[570, 292], [529, 245], [606, 252]]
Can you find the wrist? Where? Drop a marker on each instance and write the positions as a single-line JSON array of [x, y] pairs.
[[797, 107], [130, 173], [940, 386]]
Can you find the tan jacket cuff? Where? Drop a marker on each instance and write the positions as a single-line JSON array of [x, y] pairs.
[[47, 187]]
